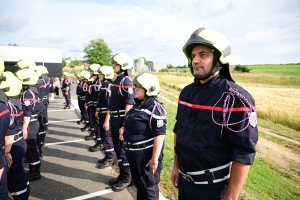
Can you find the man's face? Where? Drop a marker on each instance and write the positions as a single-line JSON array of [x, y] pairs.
[[202, 61]]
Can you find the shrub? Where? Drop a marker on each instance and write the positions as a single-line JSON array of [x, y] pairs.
[[164, 70], [242, 68]]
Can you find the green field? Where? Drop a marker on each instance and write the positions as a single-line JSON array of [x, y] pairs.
[[282, 70]]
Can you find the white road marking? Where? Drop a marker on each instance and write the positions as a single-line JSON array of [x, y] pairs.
[[59, 110], [55, 143], [68, 120], [95, 194]]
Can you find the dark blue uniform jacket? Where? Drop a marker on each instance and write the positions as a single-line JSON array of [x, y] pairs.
[[137, 126], [200, 144], [30, 102], [121, 94], [17, 116], [102, 98], [4, 119]]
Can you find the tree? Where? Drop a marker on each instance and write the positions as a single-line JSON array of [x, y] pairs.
[[75, 63], [12, 44], [64, 63], [97, 52]]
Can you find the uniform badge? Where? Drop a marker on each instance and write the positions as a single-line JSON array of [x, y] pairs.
[[130, 90], [160, 123], [253, 119], [27, 102]]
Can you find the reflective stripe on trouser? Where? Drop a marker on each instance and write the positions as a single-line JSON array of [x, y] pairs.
[[145, 182], [106, 139], [17, 182], [115, 125], [3, 177], [42, 118], [32, 154]]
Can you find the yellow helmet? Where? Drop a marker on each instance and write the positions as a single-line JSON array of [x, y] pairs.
[[66, 74], [2, 78], [40, 70], [94, 68], [28, 76], [26, 64], [85, 75], [124, 60], [12, 85], [149, 82], [107, 71]]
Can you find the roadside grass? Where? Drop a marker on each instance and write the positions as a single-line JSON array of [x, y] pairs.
[[284, 70], [266, 180]]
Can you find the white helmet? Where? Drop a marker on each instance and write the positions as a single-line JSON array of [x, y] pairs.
[[12, 85], [149, 82], [94, 68], [124, 60], [107, 71]]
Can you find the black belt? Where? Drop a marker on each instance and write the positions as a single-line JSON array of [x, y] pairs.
[[18, 135], [117, 113], [207, 177], [137, 146]]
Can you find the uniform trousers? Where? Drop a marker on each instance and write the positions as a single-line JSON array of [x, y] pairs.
[[32, 153], [105, 138], [43, 119], [67, 98], [145, 182], [17, 181], [200, 191], [3, 177], [91, 112], [83, 111], [115, 125]]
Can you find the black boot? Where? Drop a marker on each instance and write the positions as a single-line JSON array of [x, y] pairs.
[[90, 137], [121, 186], [32, 176], [85, 127], [80, 121], [67, 107], [108, 162], [96, 147], [102, 160], [113, 181]]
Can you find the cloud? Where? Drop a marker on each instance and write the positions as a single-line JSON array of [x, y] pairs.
[[12, 24]]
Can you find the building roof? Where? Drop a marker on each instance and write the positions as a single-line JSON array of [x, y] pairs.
[[36, 54]]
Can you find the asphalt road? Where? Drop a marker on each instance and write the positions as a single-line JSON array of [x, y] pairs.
[[68, 170]]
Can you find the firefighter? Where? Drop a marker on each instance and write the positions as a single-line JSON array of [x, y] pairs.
[[144, 133], [30, 103], [91, 99], [4, 125], [15, 144], [120, 102], [84, 91], [106, 75], [66, 89], [216, 124]]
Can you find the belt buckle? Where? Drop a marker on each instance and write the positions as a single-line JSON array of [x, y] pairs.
[[188, 178]]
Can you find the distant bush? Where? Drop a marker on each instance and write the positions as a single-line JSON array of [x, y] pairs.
[[242, 68], [164, 70]]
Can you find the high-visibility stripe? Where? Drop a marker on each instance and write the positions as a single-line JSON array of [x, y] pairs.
[[219, 109], [4, 112], [17, 115], [119, 86]]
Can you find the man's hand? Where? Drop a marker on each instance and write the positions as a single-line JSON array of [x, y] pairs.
[[9, 159], [175, 176], [121, 130], [152, 166], [106, 125], [25, 134]]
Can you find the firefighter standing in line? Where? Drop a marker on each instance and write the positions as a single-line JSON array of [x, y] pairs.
[[83, 93], [43, 117], [29, 100], [66, 89], [216, 128], [91, 101], [78, 92], [120, 102], [106, 75], [4, 125], [144, 133], [15, 144]]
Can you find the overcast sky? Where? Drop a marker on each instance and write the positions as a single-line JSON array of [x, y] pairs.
[[259, 31]]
